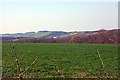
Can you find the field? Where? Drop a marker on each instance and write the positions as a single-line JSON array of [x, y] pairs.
[[68, 60]]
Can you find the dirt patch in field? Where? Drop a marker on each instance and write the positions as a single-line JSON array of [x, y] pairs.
[[84, 75], [81, 74]]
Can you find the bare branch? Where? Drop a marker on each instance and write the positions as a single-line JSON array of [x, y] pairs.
[[16, 57], [29, 66], [102, 63], [100, 59]]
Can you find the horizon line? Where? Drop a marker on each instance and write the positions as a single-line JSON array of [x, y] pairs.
[[58, 31]]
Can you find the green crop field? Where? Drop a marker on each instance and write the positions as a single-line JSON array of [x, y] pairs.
[[68, 60]]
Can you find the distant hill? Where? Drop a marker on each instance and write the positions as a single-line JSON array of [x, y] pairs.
[[39, 34], [99, 36]]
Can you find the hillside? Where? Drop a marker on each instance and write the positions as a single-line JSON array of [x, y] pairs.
[[100, 36], [39, 34], [106, 36]]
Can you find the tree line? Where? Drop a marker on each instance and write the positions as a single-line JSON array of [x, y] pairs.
[[102, 37]]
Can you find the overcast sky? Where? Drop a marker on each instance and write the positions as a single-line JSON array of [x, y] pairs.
[[24, 16]]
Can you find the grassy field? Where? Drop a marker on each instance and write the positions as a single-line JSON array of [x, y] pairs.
[[60, 60]]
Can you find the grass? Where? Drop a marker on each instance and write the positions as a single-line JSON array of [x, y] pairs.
[[60, 60]]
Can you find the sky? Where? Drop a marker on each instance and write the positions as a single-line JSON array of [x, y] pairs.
[[23, 16]]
